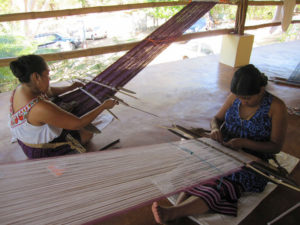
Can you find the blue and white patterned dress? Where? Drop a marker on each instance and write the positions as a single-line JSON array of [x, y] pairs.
[[223, 198], [257, 128]]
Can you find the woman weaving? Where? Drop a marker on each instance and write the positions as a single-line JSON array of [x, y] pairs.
[[42, 128], [250, 119]]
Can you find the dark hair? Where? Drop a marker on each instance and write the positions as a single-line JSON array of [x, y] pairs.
[[248, 80], [25, 65]]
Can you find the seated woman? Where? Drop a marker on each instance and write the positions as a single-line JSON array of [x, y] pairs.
[[251, 119], [42, 128]]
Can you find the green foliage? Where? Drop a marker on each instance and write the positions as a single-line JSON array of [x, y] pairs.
[[81, 67], [293, 33], [5, 6], [261, 12], [46, 51], [7, 80], [12, 46], [84, 3], [223, 12], [162, 12]]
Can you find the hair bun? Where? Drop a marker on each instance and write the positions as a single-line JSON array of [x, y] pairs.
[[24, 66], [17, 67], [264, 79]]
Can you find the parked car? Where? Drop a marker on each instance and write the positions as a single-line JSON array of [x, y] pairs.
[[95, 33], [198, 26], [56, 41]]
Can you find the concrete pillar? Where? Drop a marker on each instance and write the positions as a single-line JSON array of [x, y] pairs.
[[236, 49]]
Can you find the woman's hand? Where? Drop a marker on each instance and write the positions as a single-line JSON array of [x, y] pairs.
[[55, 91], [236, 143], [76, 84], [109, 104], [216, 135]]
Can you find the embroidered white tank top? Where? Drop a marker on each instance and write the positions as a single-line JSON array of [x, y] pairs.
[[24, 131]]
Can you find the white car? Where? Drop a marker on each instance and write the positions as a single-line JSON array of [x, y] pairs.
[[95, 33]]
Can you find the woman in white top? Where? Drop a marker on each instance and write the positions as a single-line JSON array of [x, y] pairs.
[[42, 128]]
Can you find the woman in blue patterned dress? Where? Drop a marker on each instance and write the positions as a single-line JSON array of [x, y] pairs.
[[251, 119]]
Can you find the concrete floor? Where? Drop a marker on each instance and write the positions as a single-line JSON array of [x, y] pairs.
[[189, 93]]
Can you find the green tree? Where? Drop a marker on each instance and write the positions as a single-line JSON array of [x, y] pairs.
[[162, 12], [260, 12], [81, 67], [222, 12], [12, 46]]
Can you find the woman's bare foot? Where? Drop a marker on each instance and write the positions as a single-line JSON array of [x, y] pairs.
[[191, 206], [161, 214]]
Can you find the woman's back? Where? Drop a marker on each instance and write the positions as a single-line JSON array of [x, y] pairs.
[[21, 128]]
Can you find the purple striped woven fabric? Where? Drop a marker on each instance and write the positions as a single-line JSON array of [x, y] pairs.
[[220, 200], [129, 65]]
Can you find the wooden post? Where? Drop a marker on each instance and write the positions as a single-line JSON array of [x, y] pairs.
[[236, 48], [241, 14]]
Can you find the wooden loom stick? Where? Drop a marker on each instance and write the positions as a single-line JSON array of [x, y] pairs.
[[288, 182], [274, 179], [97, 100], [110, 144], [109, 87], [178, 134], [124, 93], [288, 83], [126, 90], [126, 104]]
